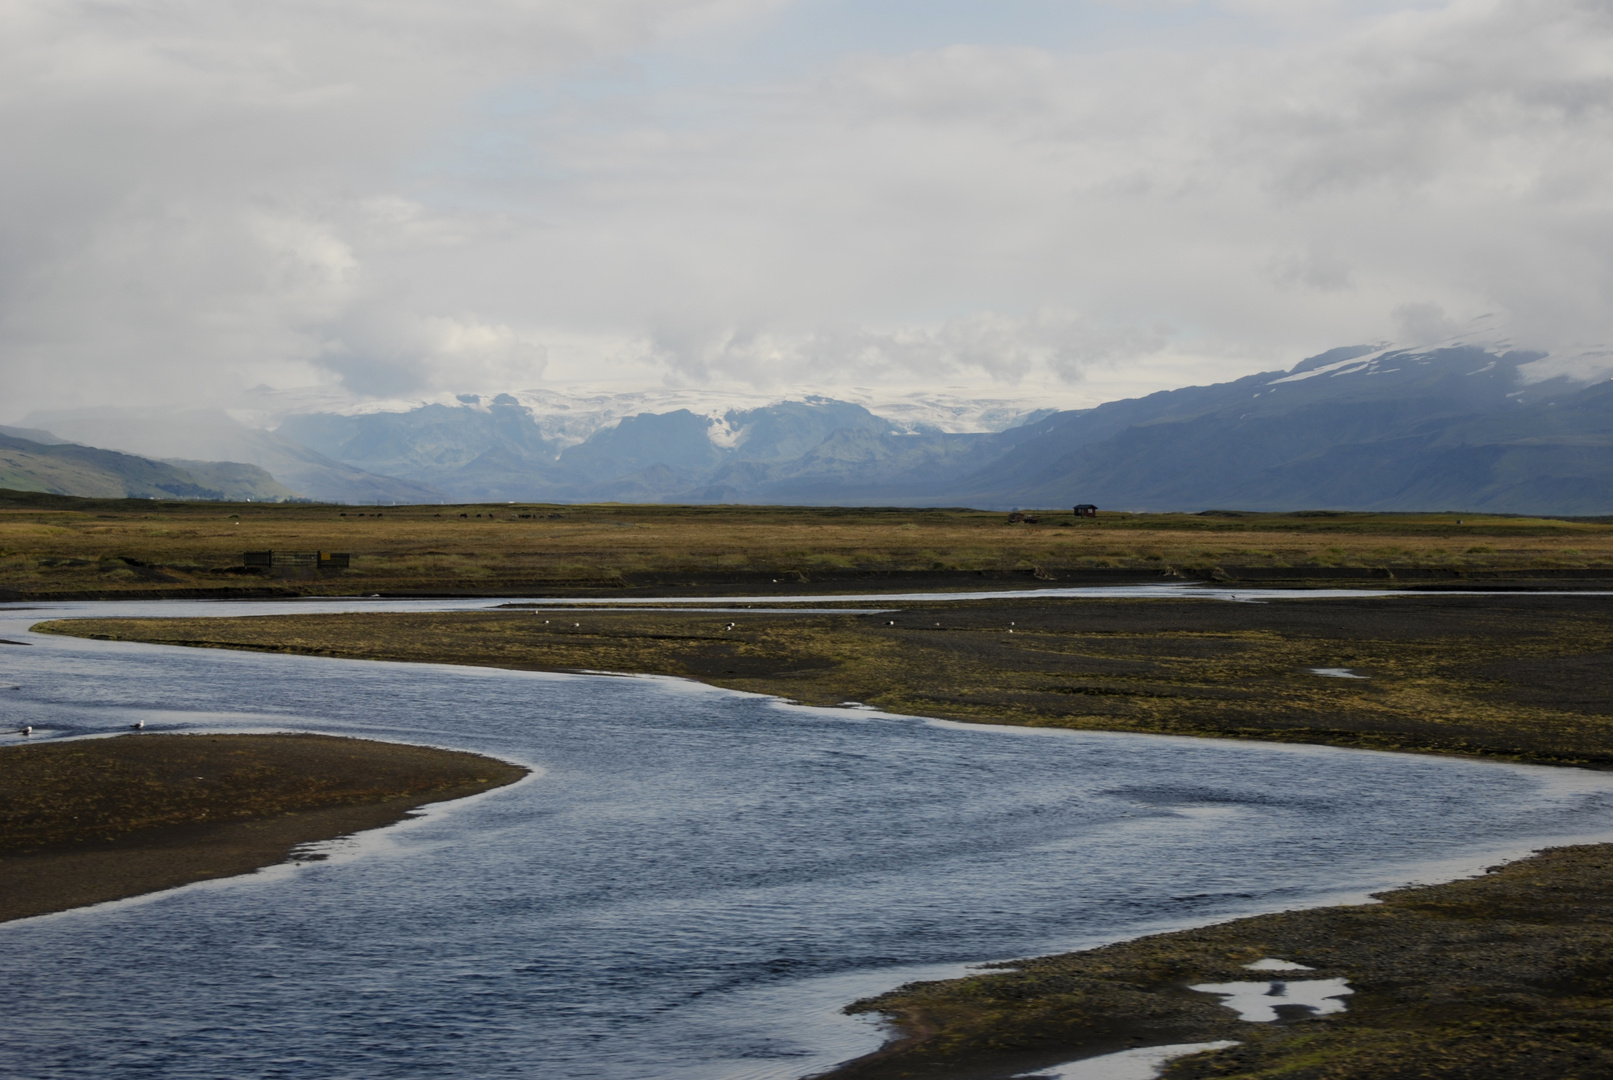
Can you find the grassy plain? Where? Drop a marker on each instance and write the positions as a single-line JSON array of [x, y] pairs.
[[88, 820], [54, 546]]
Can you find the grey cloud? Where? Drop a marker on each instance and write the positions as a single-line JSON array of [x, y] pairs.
[[1407, 160], [192, 191], [1312, 269], [385, 199], [985, 348], [1423, 324]]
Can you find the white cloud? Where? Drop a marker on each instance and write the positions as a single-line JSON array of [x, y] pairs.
[[197, 195], [384, 199], [1260, 200], [980, 349]]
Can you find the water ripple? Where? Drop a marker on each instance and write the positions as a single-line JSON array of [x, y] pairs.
[[696, 881]]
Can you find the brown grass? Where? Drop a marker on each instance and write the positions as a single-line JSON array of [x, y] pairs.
[[51, 545]]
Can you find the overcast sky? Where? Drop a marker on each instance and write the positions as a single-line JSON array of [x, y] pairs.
[[1063, 201]]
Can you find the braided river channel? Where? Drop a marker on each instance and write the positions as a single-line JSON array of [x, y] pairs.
[[693, 883]]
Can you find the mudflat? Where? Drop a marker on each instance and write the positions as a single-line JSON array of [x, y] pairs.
[[90, 820]]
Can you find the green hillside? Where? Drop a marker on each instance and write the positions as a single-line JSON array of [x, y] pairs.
[[71, 469]]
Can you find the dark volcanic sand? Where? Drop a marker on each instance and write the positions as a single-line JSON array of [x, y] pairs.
[[90, 820]]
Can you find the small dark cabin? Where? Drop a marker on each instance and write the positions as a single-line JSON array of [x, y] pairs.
[[1086, 510], [319, 560]]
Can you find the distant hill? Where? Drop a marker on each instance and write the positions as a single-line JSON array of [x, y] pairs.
[[188, 435], [501, 451], [1355, 428], [63, 468], [1352, 429]]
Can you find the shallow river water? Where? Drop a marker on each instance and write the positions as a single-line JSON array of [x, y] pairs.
[[692, 883]]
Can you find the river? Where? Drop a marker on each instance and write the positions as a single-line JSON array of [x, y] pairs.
[[692, 883]]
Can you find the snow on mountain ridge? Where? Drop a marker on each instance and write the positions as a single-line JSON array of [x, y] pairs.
[[568, 418]]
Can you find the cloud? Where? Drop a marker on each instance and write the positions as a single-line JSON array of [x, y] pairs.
[[1262, 200], [386, 351], [198, 196], [1423, 324], [385, 199], [981, 349]]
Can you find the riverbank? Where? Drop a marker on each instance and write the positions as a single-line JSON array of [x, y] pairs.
[[90, 820], [1522, 677], [1504, 977]]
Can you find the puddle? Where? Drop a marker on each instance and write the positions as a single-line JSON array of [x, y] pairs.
[[1258, 1001], [1143, 1063], [1337, 673]]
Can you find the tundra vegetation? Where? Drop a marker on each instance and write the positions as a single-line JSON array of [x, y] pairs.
[[55, 545]]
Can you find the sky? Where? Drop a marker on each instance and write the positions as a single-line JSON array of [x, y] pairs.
[[277, 205]]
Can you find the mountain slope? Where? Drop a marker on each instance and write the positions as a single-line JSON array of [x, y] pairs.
[[500, 450], [1353, 428], [71, 469], [212, 434], [1383, 431]]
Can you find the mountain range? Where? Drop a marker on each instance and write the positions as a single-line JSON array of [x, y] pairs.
[[1364, 428]]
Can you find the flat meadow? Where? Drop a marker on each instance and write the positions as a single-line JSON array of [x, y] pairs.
[[56, 545]]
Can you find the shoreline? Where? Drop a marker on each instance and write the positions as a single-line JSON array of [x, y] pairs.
[[1512, 676], [171, 810], [1501, 975], [637, 586]]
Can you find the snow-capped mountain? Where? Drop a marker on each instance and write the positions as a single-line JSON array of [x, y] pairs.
[[1459, 426], [1470, 423], [1462, 424]]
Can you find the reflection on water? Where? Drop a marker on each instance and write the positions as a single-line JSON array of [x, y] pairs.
[[1143, 1063], [696, 881], [1258, 1002]]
